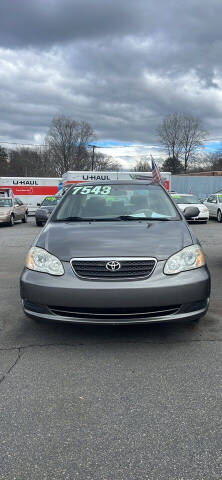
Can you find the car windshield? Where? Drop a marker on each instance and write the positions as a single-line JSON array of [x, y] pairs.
[[186, 199], [49, 202], [5, 202], [116, 202]]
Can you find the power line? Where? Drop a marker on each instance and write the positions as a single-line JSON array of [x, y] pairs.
[[25, 144], [96, 146]]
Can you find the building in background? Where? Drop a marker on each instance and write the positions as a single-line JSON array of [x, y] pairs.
[[201, 184]]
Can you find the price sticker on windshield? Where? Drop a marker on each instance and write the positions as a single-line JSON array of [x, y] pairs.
[[91, 190]]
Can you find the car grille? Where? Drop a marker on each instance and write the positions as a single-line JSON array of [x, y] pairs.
[[114, 314], [129, 268]]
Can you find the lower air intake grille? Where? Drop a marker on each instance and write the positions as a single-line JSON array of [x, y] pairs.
[[114, 269], [114, 313]]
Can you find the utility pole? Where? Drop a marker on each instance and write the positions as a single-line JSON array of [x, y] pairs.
[[93, 156], [8, 156]]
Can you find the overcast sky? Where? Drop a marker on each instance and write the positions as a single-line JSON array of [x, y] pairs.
[[121, 65]]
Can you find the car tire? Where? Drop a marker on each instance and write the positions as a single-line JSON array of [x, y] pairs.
[[24, 219], [11, 221], [219, 216], [39, 224]]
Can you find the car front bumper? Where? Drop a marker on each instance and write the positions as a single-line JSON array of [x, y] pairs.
[[202, 217], [156, 299], [41, 218], [4, 219]]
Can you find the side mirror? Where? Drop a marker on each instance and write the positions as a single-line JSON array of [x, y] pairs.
[[38, 204], [191, 212]]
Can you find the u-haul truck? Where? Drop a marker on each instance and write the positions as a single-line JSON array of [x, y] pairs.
[[76, 177], [31, 190]]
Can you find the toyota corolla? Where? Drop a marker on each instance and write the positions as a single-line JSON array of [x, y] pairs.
[[118, 252]]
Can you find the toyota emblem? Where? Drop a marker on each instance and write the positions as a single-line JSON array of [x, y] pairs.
[[113, 266]]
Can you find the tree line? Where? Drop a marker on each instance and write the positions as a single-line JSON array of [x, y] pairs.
[[67, 147], [207, 163]]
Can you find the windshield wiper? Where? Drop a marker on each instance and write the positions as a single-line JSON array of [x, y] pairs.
[[109, 219], [73, 219], [83, 219], [132, 217]]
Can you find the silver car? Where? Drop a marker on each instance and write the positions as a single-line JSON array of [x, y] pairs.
[[11, 210], [45, 209], [214, 205], [183, 200], [117, 252]]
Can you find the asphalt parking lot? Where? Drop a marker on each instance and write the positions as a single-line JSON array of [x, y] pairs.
[[108, 403]]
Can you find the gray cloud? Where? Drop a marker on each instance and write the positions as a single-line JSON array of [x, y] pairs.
[[121, 65], [43, 23]]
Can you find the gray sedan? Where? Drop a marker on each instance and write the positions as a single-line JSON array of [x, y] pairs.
[[45, 209], [118, 252]]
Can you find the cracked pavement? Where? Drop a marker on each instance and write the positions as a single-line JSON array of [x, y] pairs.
[[120, 403]]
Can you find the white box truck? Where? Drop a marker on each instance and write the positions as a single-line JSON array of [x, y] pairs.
[[81, 176], [31, 190]]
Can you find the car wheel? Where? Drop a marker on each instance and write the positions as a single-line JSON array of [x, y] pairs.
[[219, 216], [11, 221], [24, 220], [39, 224]]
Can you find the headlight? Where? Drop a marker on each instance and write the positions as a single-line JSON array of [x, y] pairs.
[[40, 260], [187, 259]]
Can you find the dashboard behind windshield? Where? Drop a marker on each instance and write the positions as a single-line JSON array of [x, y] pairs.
[[110, 201], [186, 199], [49, 201]]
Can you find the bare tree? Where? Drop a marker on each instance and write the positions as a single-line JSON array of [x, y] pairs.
[[215, 161], [193, 137], [32, 162], [182, 135], [142, 166], [170, 133], [68, 140], [3, 162], [25, 162], [104, 162]]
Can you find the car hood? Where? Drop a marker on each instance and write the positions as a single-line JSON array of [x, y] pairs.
[[112, 239], [200, 206], [46, 209]]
